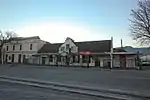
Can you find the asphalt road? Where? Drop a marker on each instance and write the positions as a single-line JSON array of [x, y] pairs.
[[125, 80], [10, 91]]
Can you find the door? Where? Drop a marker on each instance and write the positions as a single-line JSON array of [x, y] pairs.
[[97, 61], [12, 59], [19, 58], [43, 60], [24, 58], [130, 63], [6, 58], [122, 61]]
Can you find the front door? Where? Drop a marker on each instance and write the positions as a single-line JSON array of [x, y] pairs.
[[43, 60], [19, 58], [122, 61], [24, 58], [97, 61], [6, 58], [12, 60]]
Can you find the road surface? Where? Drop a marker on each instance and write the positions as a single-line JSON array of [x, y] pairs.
[[125, 80], [10, 91]]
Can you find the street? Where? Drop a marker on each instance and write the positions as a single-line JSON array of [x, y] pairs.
[[124, 80], [10, 91]]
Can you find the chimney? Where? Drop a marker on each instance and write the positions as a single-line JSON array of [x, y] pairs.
[[121, 44]]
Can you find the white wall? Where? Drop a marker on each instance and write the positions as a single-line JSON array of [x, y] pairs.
[[116, 61], [130, 61], [102, 59], [71, 45], [36, 45]]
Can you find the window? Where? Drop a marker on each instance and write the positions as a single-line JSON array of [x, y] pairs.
[[7, 48], [20, 47], [13, 47], [62, 48], [67, 46], [30, 46], [72, 48]]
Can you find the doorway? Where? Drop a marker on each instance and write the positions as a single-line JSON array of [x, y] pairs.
[[43, 60], [97, 61], [24, 58], [12, 60], [19, 58], [6, 58], [122, 61]]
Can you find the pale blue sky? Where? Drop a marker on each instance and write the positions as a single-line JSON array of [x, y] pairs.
[[82, 20]]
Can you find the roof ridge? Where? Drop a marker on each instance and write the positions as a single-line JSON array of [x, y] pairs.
[[93, 41], [56, 43], [83, 41]]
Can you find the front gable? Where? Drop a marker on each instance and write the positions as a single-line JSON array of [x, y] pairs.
[[68, 45]]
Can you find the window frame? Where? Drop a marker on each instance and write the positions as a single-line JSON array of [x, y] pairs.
[[31, 46], [67, 46], [13, 47], [21, 47], [62, 48], [7, 48]]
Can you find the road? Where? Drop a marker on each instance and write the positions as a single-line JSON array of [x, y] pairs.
[[125, 80], [10, 91]]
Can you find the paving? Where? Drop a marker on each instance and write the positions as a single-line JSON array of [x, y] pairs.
[[124, 80]]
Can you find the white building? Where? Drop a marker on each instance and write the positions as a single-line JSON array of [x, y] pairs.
[[21, 49], [86, 53]]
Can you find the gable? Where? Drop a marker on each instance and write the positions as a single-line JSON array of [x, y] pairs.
[[69, 43]]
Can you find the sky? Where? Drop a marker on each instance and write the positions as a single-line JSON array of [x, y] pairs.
[[81, 20]]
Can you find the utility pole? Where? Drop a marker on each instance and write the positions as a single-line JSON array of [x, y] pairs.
[[111, 53]]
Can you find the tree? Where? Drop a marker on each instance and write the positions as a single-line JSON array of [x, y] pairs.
[[5, 37], [140, 22]]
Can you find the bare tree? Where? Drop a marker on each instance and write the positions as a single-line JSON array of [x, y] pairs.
[[140, 22], [5, 37]]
